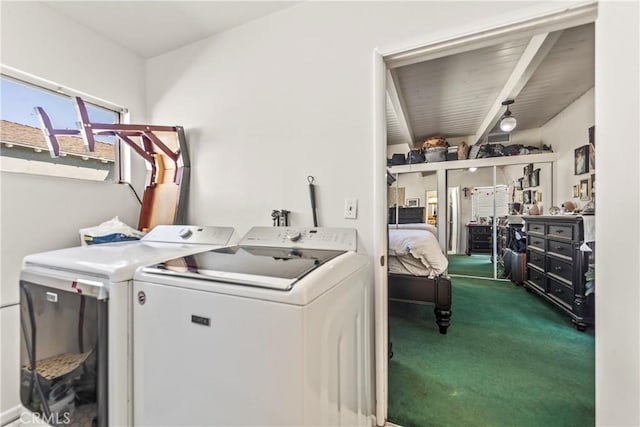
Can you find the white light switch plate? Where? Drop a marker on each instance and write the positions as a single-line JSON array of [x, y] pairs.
[[351, 208]]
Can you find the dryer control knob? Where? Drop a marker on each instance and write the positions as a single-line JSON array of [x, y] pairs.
[[185, 233], [293, 235]]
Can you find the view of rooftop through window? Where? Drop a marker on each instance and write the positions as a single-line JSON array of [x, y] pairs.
[[23, 146]]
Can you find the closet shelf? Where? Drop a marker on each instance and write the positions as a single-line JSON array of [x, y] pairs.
[[477, 163]]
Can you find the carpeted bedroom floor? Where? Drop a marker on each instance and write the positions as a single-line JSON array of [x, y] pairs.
[[470, 265], [509, 359]]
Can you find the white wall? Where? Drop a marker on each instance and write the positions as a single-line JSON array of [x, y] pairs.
[[397, 149], [10, 361], [618, 214], [40, 213], [566, 132], [527, 137], [291, 95]]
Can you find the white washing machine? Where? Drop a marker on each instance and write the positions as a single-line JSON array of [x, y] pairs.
[[276, 331], [76, 323]]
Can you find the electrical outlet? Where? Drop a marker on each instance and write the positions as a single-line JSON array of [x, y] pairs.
[[351, 208]]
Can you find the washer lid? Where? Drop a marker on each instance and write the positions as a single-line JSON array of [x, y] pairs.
[[274, 268]]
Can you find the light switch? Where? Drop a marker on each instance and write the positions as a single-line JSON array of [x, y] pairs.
[[351, 208]]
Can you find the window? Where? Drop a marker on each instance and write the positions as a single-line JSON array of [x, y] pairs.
[[22, 143], [482, 202]]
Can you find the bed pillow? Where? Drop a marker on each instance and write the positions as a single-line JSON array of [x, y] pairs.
[[421, 244]]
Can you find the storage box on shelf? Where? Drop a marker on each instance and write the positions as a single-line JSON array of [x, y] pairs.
[[556, 266], [435, 154]]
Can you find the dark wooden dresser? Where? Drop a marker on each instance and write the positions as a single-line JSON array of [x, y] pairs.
[[556, 265], [479, 239]]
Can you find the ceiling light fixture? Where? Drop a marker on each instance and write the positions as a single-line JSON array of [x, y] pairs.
[[508, 122], [473, 169]]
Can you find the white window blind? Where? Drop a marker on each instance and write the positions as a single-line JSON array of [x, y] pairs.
[[482, 201]]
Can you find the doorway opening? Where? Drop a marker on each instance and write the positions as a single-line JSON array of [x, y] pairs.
[[454, 238]]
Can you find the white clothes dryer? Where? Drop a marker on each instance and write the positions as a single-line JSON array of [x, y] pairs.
[[76, 323], [276, 331]]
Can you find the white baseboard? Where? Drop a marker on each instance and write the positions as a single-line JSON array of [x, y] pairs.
[[10, 415]]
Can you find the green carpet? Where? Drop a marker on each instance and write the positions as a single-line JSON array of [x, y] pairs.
[[509, 359], [473, 265]]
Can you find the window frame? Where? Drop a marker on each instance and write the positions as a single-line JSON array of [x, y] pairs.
[[121, 169]]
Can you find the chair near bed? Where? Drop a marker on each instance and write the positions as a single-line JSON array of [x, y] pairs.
[[420, 289]]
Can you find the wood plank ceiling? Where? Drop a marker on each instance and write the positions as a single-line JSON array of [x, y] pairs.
[[454, 95]]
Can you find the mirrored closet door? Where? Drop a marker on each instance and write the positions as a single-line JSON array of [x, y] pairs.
[[485, 208], [412, 199], [470, 219]]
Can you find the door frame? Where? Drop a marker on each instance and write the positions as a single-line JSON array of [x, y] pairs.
[[382, 60]]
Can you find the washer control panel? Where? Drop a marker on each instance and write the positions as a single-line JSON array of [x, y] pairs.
[[337, 239], [202, 235]]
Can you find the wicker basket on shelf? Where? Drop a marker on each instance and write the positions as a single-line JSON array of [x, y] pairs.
[[434, 142]]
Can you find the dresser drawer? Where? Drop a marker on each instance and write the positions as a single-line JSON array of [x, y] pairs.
[[537, 278], [535, 258], [537, 242], [560, 269], [481, 246], [562, 231], [481, 237], [475, 232], [561, 292], [535, 228], [556, 266], [561, 249]]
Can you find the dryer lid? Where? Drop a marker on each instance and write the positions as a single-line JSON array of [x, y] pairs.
[[118, 261], [274, 268]]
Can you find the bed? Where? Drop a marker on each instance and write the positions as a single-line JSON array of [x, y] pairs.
[[417, 270]]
